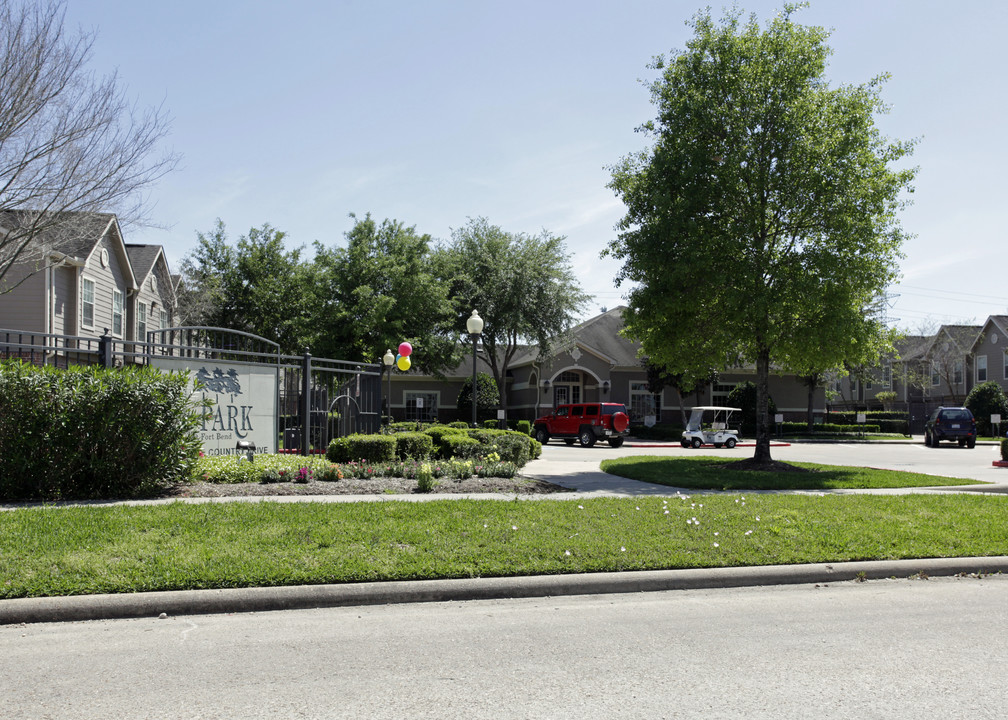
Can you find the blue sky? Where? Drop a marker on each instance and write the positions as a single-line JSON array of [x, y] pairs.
[[300, 113]]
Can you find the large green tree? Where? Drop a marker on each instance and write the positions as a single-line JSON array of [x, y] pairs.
[[379, 290], [762, 221], [257, 286], [522, 286]]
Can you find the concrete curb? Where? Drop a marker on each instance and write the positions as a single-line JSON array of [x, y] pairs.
[[205, 602]]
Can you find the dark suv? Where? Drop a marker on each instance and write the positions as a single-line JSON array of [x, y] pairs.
[[950, 423], [584, 422]]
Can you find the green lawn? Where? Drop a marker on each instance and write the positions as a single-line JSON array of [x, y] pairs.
[[706, 473], [78, 550]]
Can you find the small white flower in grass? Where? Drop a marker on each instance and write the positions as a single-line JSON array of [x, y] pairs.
[[666, 512], [580, 507], [567, 553], [757, 518], [716, 545], [638, 507], [514, 527], [748, 532], [622, 549], [716, 534]]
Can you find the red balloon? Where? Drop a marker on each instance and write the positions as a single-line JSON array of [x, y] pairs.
[[405, 349]]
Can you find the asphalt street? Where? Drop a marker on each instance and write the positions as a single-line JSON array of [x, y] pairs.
[[921, 648]]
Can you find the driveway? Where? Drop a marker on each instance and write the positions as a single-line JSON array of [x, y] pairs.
[[578, 468]]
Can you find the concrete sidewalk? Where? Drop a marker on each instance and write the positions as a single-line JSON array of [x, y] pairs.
[[205, 602]]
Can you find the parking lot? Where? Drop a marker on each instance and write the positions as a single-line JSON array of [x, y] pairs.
[[575, 466]]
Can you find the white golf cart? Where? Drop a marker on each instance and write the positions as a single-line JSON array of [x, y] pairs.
[[710, 425]]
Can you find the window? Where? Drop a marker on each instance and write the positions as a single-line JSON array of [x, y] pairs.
[[1004, 372], [719, 393], [935, 377], [957, 372], [887, 374], [117, 313], [164, 319], [642, 402], [421, 406], [87, 302], [981, 371], [141, 322]]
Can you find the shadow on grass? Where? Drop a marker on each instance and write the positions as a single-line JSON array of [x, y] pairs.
[[715, 474]]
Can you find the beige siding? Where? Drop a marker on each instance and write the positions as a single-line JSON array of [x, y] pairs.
[[24, 307], [65, 311], [114, 276], [993, 345]]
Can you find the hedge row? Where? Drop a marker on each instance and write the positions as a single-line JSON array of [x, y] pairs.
[[438, 441], [801, 427], [93, 433]]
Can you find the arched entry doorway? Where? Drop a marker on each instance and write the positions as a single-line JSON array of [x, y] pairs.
[[568, 387]]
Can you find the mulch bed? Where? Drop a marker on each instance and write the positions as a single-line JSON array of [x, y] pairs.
[[373, 486]]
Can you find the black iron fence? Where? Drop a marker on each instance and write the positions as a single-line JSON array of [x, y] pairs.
[[316, 399]]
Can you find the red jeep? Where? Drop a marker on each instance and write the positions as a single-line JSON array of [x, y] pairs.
[[584, 422]]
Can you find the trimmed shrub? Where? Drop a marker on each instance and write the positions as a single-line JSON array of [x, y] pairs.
[[460, 446], [459, 424], [800, 428], [512, 447], [491, 424], [414, 445], [93, 433], [438, 433], [984, 400], [362, 448], [524, 426]]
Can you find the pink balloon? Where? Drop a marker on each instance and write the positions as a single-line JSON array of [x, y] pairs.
[[405, 349]]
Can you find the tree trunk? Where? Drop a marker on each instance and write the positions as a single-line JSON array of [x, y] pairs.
[[682, 408], [811, 401], [762, 454]]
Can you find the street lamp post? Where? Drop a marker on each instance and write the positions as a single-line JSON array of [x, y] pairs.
[[475, 327], [388, 359]]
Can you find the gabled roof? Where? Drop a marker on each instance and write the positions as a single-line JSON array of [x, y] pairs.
[[911, 347], [142, 258], [962, 336], [599, 336], [998, 321], [72, 234]]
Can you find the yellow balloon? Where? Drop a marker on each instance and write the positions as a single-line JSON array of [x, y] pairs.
[[404, 364]]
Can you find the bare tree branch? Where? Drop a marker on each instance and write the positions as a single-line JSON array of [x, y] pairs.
[[70, 142]]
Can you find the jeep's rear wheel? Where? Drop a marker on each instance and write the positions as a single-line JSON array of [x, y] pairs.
[[586, 437], [542, 435], [615, 442]]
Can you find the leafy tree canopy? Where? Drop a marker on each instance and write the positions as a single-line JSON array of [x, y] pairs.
[[762, 221], [257, 286], [380, 290], [522, 286]]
